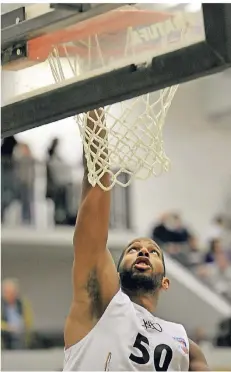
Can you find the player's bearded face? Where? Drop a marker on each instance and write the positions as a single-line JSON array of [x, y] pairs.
[[131, 280]]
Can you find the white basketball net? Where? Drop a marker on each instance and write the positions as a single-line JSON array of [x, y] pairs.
[[134, 140]]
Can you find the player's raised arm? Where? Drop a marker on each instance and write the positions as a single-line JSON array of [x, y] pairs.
[[95, 279]]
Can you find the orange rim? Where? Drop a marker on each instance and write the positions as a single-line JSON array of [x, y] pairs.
[[114, 22]]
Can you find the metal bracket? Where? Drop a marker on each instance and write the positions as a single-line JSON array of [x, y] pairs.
[[14, 53], [18, 49], [51, 21], [217, 23], [71, 6]]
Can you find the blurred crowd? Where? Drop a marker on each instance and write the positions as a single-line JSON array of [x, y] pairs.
[[17, 321], [18, 168], [47, 193], [210, 261], [17, 317]]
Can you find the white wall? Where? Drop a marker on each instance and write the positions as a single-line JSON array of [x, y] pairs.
[[200, 166]]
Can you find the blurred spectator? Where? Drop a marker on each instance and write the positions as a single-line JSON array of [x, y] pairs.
[[178, 252], [179, 232], [215, 248], [170, 230], [216, 229], [58, 177], [8, 146], [25, 178], [215, 269], [160, 232], [199, 335], [220, 275], [223, 337], [194, 254], [8, 185], [16, 322], [212, 267]]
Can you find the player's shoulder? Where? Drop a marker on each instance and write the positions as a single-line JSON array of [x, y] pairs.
[[169, 324]]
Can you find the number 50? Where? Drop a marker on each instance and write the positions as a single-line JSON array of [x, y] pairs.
[[161, 361]]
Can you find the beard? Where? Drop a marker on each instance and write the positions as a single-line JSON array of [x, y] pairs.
[[137, 282]]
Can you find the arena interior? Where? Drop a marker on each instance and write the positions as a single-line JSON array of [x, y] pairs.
[[187, 210]]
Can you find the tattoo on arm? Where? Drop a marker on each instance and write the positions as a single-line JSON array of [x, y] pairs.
[[93, 290]]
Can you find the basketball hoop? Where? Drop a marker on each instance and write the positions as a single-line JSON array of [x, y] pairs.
[[134, 141]]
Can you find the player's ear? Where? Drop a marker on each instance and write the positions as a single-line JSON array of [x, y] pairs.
[[165, 283]]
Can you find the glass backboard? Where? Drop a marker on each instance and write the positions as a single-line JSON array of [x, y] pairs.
[[64, 46]]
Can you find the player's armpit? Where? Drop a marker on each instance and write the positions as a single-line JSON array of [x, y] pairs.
[[197, 361], [92, 294], [95, 282]]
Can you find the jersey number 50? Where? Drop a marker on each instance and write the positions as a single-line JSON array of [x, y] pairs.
[[162, 354]]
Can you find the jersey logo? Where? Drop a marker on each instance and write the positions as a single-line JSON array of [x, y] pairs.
[[183, 345], [148, 324]]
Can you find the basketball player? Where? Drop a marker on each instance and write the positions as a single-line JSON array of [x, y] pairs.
[[112, 325]]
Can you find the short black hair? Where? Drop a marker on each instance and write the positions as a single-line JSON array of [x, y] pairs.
[[122, 256]]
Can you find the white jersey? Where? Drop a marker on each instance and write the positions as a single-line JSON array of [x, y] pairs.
[[129, 338]]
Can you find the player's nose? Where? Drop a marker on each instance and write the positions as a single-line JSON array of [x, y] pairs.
[[143, 252]]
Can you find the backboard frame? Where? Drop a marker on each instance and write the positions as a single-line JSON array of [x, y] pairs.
[[210, 56], [59, 18]]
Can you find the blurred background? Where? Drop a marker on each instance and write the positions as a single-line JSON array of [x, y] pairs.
[[187, 211]]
